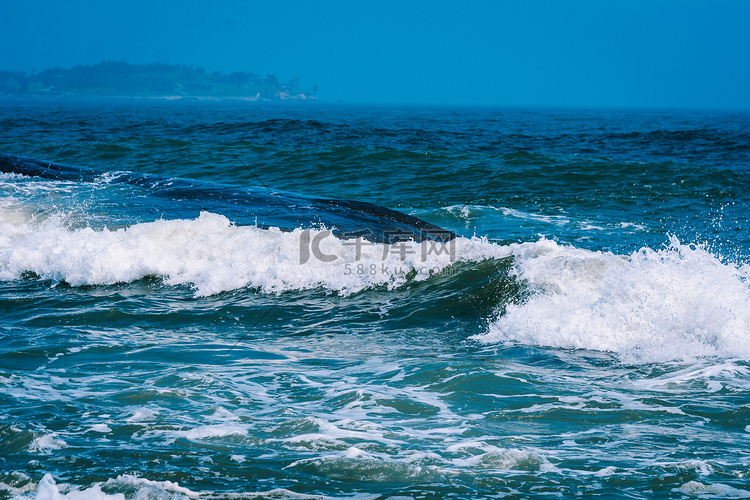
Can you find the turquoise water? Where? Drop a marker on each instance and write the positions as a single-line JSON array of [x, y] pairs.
[[589, 333]]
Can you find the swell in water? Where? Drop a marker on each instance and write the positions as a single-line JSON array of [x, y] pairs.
[[675, 303], [579, 338]]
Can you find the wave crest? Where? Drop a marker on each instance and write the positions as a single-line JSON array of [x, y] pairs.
[[212, 255], [676, 303]]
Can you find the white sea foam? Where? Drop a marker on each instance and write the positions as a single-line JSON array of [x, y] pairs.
[[142, 415], [712, 378], [677, 303], [700, 490], [131, 480], [47, 443], [487, 456], [473, 211], [211, 255], [476, 212], [101, 428], [48, 490], [212, 431], [133, 487]]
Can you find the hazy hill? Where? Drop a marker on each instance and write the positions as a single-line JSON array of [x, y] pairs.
[[118, 78]]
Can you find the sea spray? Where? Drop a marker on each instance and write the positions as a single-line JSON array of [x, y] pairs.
[[675, 303]]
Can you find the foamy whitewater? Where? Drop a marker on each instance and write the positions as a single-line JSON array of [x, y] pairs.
[[211, 255], [586, 334], [675, 303]]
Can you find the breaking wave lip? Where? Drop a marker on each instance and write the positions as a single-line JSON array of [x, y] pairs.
[[677, 303], [212, 255]]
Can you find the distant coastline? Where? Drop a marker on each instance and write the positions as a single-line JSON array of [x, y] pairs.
[[151, 81]]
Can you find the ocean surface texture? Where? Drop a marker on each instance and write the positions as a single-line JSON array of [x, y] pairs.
[[586, 334]]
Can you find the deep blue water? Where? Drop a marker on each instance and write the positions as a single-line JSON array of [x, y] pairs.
[[588, 333]]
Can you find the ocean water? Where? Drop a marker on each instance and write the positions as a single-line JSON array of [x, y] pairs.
[[586, 334]]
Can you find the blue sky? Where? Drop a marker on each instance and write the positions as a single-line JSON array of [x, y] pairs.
[[605, 53]]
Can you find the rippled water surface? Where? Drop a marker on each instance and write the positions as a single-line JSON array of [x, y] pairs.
[[588, 333]]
